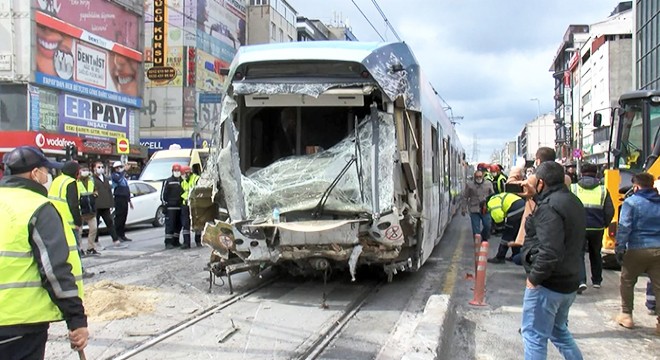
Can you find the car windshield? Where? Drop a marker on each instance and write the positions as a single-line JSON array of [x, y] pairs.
[[161, 169]]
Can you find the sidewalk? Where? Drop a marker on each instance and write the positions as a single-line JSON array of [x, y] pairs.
[[491, 332]]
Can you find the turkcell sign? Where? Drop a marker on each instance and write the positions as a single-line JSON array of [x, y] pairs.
[[92, 118]]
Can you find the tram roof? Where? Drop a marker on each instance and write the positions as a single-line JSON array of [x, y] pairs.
[[354, 51]]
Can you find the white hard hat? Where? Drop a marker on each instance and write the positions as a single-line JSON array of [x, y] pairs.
[[117, 164]]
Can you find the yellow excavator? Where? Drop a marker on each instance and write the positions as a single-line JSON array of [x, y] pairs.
[[634, 148]]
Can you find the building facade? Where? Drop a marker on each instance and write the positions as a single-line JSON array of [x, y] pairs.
[[600, 73], [202, 37], [271, 21], [562, 89], [71, 73], [647, 44], [537, 133]]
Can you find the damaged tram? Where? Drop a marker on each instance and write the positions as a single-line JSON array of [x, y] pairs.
[[329, 155]]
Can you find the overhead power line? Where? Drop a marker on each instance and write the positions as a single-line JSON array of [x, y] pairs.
[[387, 22], [369, 21]]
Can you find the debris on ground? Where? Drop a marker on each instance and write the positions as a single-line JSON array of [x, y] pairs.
[[108, 300]]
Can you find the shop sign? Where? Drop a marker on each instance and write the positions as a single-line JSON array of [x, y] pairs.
[[96, 147], [92, 118], [43, 140], [160, 71]]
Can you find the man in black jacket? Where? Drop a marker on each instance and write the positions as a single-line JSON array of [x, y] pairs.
[[553, 255], [104, 202], [170, 196]]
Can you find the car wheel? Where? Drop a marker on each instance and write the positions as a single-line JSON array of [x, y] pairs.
[[159, 218]]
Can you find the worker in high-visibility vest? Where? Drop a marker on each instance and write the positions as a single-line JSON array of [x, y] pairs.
[[506, 209], [499, 179], [187, 184], [40, 268], [63, 193], [88, 195], [599, 211]]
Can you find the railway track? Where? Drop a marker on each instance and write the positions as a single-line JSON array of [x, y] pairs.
[[176, 328], [310, 349], [330, 333]]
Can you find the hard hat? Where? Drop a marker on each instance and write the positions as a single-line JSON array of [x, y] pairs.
[[117, 164], [185, 169], [494, 167], [176, 167]]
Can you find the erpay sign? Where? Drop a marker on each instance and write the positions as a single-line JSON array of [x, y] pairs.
[[93, 119]]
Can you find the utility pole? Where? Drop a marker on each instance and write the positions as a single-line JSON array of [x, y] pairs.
[[475, 148]]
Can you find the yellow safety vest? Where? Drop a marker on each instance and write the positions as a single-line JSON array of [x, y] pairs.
[[57, 195], [499, 184], [85, 191], [593, 201], [499, 205], [188, 185], [23, 299], [488, 176]]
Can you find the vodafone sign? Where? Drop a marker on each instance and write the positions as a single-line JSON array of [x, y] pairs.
[[45, 141], [53, 142]]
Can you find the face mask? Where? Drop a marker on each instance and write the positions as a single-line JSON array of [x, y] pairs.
[[44, 179], [99, 171], [84, 173], [176, 174]]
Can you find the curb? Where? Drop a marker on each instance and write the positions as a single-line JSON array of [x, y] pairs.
[[434, 331]]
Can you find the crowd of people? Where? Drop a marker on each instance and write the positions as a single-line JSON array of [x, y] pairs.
[[550, 218], [41, 247]]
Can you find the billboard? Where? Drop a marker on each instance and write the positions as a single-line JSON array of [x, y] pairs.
[[93, 119], [208, 72], [220, 25], [43, 109], [69, 64], [99, 17], [163, 107]]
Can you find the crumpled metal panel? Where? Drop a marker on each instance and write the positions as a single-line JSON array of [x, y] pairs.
[[298, 182], [311, 89]]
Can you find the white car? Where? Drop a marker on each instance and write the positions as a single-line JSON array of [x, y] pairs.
[[147, 207]]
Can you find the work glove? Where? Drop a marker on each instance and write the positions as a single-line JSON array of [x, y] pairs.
[[618, 254]]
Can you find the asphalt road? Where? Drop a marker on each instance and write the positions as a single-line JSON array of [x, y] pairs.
[[278, 322]]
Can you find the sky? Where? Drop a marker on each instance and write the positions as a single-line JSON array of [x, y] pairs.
[[486, 58]]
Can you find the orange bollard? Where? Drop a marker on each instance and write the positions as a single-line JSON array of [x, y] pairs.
[[477, 245], [480, 282]]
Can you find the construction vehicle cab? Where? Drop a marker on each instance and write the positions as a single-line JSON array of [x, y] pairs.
[[634, 148]]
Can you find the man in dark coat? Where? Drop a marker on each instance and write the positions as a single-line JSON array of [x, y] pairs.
[[105, 202], [170, 196], [553, 255]]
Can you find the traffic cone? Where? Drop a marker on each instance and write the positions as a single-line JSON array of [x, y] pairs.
[[480, 282]]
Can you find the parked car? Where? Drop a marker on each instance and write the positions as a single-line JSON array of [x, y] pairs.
[[147, 207]]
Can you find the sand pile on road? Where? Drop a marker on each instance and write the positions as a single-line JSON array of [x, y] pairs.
[[107, 300]]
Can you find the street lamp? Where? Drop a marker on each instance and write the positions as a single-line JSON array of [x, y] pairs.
[[538, 103]]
